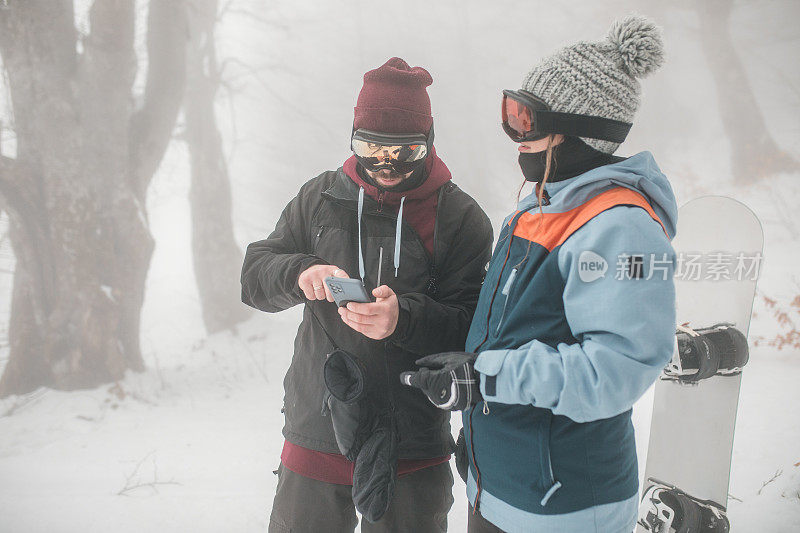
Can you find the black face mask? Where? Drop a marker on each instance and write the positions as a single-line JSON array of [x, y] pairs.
[[533, 165], [570, 158]]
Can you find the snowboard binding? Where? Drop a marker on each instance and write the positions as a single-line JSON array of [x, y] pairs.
[[667, 509], [719, 350]]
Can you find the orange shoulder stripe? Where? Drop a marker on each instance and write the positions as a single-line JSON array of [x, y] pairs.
[[552, 229]]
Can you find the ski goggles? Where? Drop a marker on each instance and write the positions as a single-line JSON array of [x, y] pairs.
[[528, 118], [402, 153]]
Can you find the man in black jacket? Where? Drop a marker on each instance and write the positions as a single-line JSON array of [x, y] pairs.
[[392, 202]]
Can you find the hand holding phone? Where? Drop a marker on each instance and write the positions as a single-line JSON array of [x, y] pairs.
[[312, 281], [376, 320]]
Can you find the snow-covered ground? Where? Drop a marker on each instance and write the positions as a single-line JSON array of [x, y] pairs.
[[190, 444]]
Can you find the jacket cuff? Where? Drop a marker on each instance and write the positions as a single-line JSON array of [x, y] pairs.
[[488, 365], [490, 362], [303, 265], [403, 319]]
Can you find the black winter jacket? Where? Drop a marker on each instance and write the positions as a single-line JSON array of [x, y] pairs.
[[319, 226]]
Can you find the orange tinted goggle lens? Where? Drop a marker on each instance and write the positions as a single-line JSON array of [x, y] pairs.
[[400, 153], [517, 116]]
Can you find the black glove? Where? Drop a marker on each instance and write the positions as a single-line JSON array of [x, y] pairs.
[[448, 379], [365, 433], [375, 469], [349, 402], [462, 459]]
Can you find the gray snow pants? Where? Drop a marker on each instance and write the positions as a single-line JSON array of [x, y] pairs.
[[421, 502]]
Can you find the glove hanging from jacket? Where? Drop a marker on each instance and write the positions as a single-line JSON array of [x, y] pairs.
[[365, 433], [448, 379]]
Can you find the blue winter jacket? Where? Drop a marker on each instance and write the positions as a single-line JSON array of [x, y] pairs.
[[575, 320]]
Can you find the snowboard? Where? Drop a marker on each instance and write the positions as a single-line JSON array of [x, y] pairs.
[[718, 246]]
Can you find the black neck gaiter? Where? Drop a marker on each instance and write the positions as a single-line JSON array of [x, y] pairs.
[[570, 158]]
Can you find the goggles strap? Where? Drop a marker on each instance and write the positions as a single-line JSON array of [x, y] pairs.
[[581, 126]]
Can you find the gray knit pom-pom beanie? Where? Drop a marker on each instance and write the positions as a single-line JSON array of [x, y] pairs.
[[599, 78]]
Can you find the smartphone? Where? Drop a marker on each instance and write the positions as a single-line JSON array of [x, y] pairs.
[[345, 290]]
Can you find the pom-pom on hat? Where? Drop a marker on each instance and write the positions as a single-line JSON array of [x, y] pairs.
[[394, 99], [600, 78]]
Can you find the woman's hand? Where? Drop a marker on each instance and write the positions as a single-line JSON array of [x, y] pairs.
[[448, 379]]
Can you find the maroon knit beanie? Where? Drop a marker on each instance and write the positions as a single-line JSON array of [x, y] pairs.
[[394, 99]]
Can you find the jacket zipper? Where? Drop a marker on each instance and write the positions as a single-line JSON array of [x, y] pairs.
[[472, 411], [316, 239], [474, 462], [380, 201], [485, 338], [389, 382]]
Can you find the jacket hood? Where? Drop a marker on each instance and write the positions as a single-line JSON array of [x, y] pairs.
[[638, 172], [437, 172]]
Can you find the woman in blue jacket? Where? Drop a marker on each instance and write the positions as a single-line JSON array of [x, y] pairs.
[[576, 317]]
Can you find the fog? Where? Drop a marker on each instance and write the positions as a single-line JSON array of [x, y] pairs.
[[289, 73]]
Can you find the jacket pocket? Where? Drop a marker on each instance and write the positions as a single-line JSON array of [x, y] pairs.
[[549, 484], [542, 453]]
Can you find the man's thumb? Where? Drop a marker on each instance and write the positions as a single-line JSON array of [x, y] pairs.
[[384, 291]]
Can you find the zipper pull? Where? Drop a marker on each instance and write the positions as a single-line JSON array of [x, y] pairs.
[[380, 202], [485, 407]]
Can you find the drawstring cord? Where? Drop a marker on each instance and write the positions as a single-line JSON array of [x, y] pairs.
[[360, 249], [398, 233]]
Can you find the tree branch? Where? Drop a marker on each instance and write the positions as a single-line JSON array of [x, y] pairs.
[[151, 126], [775, 476], [131, 485]]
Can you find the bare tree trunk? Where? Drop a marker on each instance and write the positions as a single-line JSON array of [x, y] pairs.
[[74, 193], [754, 152], [217, 257]]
